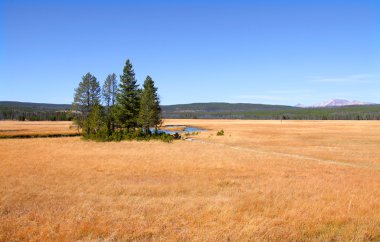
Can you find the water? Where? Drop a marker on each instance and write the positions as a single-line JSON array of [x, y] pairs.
[[187, 129]]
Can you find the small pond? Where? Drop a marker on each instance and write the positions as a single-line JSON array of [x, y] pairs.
[[181, 129]]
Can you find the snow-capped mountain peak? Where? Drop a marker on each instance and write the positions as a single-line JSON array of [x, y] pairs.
[[299, 105], [336, 103], [332, 103]]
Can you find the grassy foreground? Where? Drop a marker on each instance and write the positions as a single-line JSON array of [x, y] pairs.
[[254, 183]]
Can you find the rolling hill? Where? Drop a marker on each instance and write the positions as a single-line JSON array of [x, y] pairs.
[[216, 110], [32, 107]]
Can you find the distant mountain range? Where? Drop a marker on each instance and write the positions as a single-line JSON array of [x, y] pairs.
[[215, 107], [33, 107], [334, 109], [336, 103]]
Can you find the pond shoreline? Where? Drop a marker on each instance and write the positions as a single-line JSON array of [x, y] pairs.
[[186, 129]]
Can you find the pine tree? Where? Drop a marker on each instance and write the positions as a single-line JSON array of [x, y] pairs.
[[109, 91], [128, 99], [150, 110], [127, 107], [93, 123], [87, 95]]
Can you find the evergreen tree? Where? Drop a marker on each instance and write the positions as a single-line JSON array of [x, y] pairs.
[[87, 95], [126, 107], [128, 99], [93, 123], [150, 110], [109, 92]]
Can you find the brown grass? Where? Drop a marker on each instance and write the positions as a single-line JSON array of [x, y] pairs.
[[178, 128], [346, 141], [69, 189], [15, 128]]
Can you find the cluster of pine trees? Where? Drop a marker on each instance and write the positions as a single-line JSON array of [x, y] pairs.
[[118, 111]]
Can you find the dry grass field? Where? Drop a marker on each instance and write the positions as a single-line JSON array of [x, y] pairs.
[[13, 128], [262, 180]]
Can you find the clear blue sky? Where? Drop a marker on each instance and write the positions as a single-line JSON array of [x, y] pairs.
[[275, 52]]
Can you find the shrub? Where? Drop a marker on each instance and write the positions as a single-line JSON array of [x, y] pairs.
[[166, 138], [220, 133], [137, 134], [116, 136], [176, 136]]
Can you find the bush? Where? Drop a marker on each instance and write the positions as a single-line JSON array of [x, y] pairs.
[[166, 138], [137, 134], [176, 136], [220, 133], [116, 136]]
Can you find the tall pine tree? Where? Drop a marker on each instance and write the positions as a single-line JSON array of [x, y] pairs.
[[86, 96], [109, 91], [93, 123], [150, 110], [128, 99]]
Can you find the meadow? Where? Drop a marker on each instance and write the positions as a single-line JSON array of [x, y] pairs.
[[36, 128], [261, 180]]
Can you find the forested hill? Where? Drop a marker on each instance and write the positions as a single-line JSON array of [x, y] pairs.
[[218, 110], [43, 111], [32, 107], [221, 107], [260, 111], [34, 111]]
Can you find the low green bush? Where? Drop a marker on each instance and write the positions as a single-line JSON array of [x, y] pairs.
[[166, 138], [137, 134], [220, 133]]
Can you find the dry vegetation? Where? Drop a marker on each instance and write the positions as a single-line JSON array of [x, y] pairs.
[[174, 128], [14, 128], [257, 182], [344, 141]]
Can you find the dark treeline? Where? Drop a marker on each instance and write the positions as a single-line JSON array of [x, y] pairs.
[[60, 112], [253, 111], [41, 111], [118, 111], [15, 114], [285, 116], [24, 111]]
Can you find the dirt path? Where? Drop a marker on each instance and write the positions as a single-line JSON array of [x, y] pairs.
[[295, 156]]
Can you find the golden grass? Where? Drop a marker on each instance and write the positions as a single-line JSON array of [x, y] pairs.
[[68, 189], [16, 128], [345, 141], [178, 128]]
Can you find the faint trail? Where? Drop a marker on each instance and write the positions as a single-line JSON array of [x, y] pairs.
[[302, 157]]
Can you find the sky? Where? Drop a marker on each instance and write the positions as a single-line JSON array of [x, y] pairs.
[[271, 52]]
